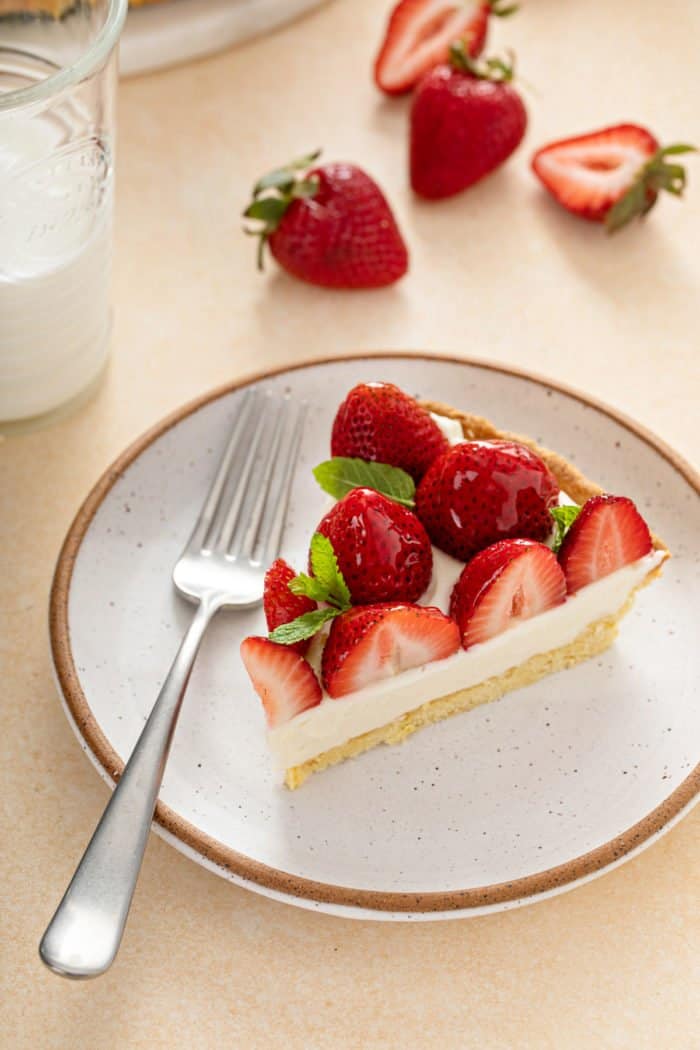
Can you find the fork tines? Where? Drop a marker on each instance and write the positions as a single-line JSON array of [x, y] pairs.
[[244, 511]]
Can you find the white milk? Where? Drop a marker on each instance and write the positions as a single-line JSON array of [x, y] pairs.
[[55, 259]]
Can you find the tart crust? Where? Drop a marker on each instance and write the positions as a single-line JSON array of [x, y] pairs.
[[594, 639]]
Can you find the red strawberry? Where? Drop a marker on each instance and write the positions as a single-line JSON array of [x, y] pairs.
[[280, 604], [482, 491], [503, 585], [419, 35], [383, 551], [283, 680], [611, 175], [378, 641], [330, 226], [466, 119], [377, 421], [608, 533]]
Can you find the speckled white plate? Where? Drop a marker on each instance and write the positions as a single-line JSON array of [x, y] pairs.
[[517, 800]]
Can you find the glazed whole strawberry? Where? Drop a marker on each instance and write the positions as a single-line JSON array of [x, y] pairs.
[[327, 224], [457, 562]]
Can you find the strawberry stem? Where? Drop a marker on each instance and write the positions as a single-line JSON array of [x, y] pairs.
[[657, 174], [496, 69], [501, 8], [272, 195]]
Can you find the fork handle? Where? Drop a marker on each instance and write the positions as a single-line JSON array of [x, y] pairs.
[[84, 934]]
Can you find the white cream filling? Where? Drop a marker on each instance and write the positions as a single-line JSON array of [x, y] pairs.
[[334, 722]]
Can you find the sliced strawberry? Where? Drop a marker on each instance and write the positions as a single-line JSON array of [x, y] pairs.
[[588, 174], [383, 551], [608, 533], [504, 584], [280, 605], [379, 422], [612, 175], [377, 641], [419, 35], [283, 680]]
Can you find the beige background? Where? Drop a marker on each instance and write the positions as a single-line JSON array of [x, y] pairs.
[[498, 272]]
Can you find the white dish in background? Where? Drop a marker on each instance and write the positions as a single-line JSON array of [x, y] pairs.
[[515, 801], [181, 30]]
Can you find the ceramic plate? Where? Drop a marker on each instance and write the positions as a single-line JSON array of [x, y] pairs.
[[515, 801]]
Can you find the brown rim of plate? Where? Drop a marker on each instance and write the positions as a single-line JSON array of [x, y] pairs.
[[287, 883]]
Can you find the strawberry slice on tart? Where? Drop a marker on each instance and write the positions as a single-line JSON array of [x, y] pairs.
[[374, 642], [283, 679], [506, 583], [608, 534]]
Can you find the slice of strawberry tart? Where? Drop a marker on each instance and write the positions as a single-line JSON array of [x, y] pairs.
[[458, 562]]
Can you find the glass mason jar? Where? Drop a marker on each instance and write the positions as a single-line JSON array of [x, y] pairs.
[[58, 72]]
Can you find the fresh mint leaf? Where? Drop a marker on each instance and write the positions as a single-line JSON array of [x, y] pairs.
[[324, 566], [327, 583], [564, 517], [303, 627], [309, 587], [340, 475]]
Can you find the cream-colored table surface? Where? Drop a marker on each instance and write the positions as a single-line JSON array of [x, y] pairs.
[[498, 272]]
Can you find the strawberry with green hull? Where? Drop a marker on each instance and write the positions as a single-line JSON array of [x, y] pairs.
[[374, 642], [483, 491], [379, 422], [419, 34], [612, 175], [328, 225], [466, 120], [608, 533], [506, 583]]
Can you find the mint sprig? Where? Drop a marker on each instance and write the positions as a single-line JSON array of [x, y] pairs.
[[564, 517], [303, 627], [327, 585], [340, 475]]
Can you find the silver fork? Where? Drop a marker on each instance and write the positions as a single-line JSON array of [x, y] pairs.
[[235, 537]]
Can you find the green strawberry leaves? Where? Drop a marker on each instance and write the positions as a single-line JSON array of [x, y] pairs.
[[325, 585], [340, 475], [657, 174], [564, 517], [499, 70], [272, 195]]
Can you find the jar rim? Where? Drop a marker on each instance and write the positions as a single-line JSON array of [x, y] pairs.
[[67, 76]]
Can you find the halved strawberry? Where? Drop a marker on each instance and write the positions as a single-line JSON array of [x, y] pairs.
[[608, 533], [280, 605], [504, 584], [611, 175], [283, 680], [419, 35], [377, 641], [379, 422]]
